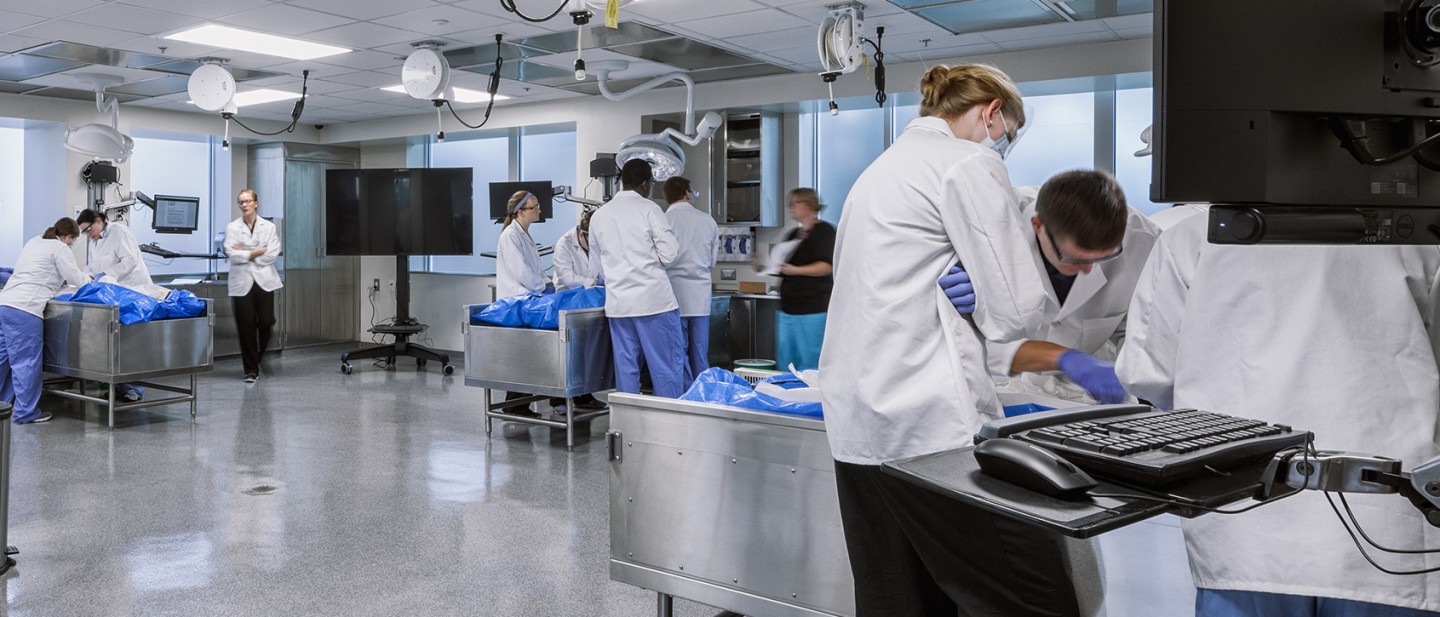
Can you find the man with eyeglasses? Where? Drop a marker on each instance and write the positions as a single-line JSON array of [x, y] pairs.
[[1092, 247]]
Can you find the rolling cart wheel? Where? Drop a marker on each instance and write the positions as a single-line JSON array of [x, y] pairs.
[[345, 368], [419, 362], [448, 369]]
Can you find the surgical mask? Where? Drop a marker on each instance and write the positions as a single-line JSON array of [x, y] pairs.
[[1003, 145]]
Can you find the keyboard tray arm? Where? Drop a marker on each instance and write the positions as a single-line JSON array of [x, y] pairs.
[[1349, 472]]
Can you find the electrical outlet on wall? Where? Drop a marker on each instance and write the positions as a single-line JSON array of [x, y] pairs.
[[375, 287], [392, 286]]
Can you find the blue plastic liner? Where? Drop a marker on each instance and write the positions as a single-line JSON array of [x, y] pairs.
[[136, 307], [540, 311], [717, 385], [5, 275], [1020, 410]]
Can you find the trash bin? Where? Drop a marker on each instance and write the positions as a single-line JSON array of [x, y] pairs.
[[5, 412]]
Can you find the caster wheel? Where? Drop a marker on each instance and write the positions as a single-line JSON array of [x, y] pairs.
[[346, 369], [448, 370]]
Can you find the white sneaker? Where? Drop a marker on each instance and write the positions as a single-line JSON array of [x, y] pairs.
[[251, 378], [131, 397]]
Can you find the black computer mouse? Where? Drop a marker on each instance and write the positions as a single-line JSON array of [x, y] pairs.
[[1032, 467]]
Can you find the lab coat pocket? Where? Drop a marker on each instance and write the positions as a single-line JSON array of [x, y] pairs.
[[1094, 333]]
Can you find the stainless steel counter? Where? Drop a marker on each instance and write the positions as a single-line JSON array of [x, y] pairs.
[[227, 338]]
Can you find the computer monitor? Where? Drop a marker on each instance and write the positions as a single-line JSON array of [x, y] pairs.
[[176, 215], [501, 192]]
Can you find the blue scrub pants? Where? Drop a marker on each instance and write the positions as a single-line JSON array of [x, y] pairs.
[[798, 339], [22, 337], [1222, 603], [661, 340], [697, 346]]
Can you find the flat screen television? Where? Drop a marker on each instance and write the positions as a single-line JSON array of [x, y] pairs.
[[500, 193], [176, 215], [1249, 96], [399, 211]]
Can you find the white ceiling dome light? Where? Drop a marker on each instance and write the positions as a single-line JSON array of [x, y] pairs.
[[426, 73], [212, 87], [99, 140]]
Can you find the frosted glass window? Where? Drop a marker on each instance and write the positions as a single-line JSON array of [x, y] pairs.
[[1133, 109], [171, 167], [12, 195], [490, 158], [550, 157], [1061, 137], [844, 146], [903, 115]]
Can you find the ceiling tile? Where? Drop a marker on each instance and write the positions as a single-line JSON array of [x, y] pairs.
[[365, 9], [924, 42], [363, 35], [317, 71], [71, 31], [637, 68], [48, 8], [987, 15], [384, 108], [369, 94], [1136, 33], [404, 49], [771, 41], [902, 23], [1045, 31], [669, 12], [173, 49], [1143, 20], [14, 21], [9, 43], [457, 20], [134, 19], [367, 79], [743, 24], [800, 55], [359, 60], [285, 19], [1059, 41], [69, 79], [205, 9]]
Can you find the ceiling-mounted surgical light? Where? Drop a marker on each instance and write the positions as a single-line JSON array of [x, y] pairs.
[[99, 140], [660, 149]]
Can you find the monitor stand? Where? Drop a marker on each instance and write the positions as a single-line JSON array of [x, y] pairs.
[[404, 327]]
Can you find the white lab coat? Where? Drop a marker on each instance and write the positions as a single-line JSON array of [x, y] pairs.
[[573, 265], [1340, 341], [245, 272], [517, 264], [1172, 216], [117, 254], [902, 372], [634, 242], [1092, 319], [699, 237], [44, 266]]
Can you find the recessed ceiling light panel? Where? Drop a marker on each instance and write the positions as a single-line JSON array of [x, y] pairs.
[[225, 37]]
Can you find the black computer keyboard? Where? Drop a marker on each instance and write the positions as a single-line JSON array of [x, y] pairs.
[[1145, 445]]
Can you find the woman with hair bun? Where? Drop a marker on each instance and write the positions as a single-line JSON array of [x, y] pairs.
[[903, 365], [45, 265]]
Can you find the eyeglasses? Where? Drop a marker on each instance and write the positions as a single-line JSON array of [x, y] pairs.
[[694, 194], [1079, 261], [524, 208], [86, 229], [247, 201]]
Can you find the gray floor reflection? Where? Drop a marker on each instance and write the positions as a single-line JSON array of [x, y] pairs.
[[312, 493]]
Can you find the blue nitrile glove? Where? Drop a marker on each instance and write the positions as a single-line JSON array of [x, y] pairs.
[[600, 282], [958, 288], [1095, 375], [98, 276], [549, 288]]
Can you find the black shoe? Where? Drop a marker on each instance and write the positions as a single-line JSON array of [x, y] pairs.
[[523, 412], [44, 417]]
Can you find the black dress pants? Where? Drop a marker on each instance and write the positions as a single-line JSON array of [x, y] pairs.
[[916, 552], [254, 316]]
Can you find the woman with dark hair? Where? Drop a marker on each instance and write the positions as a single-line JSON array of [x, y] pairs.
[[114, 253], [45, 265]]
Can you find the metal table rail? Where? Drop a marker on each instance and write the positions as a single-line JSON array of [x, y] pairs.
[[88, 342], [570, 361]]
